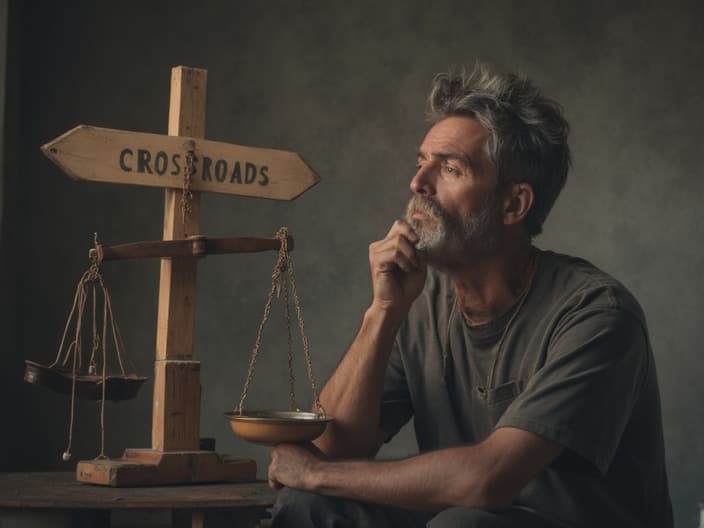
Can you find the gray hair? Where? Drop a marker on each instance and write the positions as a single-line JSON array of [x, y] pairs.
[[528, 133]]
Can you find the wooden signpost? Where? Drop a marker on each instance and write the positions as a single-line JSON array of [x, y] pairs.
[[185, 164], [107, 155]]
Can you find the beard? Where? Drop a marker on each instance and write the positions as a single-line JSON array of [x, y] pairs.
[[445, 237]]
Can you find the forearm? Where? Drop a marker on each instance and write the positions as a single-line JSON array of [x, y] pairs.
[[485, 476], [352, 396], [429, 482]]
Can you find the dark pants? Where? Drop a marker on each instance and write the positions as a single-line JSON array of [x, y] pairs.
[[300, 509]]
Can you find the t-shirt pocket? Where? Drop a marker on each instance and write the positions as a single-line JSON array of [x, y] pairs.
[[499, 398]]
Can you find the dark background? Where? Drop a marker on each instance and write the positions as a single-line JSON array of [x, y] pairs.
[[343, 84]]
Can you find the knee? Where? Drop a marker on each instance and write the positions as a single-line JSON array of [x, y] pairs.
[[300, 508], [466, 518], [287, 497]]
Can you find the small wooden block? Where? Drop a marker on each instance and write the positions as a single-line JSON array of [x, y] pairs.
[[145, 467]]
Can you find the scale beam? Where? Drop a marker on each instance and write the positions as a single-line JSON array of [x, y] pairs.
[[195, 246]]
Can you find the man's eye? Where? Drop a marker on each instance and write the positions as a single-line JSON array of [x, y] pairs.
[[451, 170]]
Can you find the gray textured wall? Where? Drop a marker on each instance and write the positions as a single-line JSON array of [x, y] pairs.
[[343, 83], [3, 53]]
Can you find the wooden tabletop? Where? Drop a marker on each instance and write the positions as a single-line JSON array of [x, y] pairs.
[[61, 490]]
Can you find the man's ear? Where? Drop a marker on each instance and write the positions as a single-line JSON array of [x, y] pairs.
[[517, 202]]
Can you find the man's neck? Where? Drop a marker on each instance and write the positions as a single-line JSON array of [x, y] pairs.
[[487, 287]]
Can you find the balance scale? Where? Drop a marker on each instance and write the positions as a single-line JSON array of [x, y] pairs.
[[185, 165]]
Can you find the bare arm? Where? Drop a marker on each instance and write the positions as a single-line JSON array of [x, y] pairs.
[[353, 393], [486, 475]]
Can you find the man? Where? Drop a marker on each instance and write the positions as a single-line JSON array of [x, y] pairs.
[[529, 374]]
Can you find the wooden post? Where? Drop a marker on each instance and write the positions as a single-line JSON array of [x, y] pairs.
[[175, 456], [175, 420]]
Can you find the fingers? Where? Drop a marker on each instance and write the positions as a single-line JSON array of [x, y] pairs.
[[271, 474], [397, 249], [401, 228], [396, 253], [290, 465], [404, 228]]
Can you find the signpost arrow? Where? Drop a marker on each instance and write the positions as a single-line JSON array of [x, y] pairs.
[[154, 160]]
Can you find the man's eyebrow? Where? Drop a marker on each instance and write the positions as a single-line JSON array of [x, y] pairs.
[[450, 155]]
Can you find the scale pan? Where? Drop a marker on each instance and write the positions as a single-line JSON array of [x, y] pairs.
[[88, 386], [277, 427]]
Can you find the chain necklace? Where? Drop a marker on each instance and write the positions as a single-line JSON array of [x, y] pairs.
[[484, 390]]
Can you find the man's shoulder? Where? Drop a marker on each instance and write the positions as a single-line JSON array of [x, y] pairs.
[[563, 284], [580, 285]]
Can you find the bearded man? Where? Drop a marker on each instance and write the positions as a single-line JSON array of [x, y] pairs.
[[529, 374]]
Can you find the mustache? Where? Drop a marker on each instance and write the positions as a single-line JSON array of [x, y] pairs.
[[424, 205]]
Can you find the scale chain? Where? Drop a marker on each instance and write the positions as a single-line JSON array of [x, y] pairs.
[[187, 194], [291, 378], [304, 340], [283, 272]]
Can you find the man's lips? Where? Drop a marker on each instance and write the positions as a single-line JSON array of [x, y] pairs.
[[418, 215]]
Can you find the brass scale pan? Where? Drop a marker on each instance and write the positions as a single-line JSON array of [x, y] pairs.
[[270, 427], [88, 386]]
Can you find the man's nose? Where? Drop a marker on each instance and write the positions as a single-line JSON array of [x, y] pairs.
[[423, 182]]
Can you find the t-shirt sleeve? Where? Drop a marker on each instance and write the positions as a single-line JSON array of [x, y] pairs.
[[582, 397], [396, 406]]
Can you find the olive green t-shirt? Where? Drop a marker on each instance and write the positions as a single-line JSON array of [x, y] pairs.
[[572, 364]]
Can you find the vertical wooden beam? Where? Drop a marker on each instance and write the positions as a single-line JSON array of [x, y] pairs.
[[178, 276], [176, 412]]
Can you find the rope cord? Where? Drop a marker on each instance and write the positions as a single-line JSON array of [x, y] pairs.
[[76, 299], [91, 278], [105, 362], [95, 345], [67, 454], [68, 323], [116, 336]]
